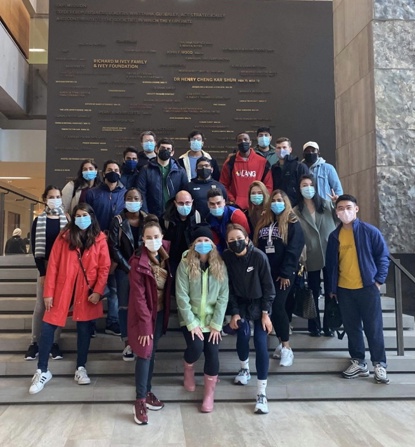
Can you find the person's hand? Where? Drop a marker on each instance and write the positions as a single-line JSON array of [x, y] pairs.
[[266, 323], [284, 282], [198, 332], [42, 280], [48, 303], [145, 339], [234, 322], [378, 285], [215, 336], [94, 298], [333, 196]]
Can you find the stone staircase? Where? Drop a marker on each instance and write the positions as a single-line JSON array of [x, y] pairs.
[[314, 375]]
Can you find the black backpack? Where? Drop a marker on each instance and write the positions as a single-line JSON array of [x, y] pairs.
[[334, 318]]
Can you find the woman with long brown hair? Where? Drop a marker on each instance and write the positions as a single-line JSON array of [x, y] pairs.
[[279, 235], [258, 196]]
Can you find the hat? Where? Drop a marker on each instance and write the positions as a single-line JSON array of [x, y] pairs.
[[202, 231], [17, 232], [312, 144]]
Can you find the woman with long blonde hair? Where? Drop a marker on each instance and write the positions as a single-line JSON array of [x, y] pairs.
[[258, 196], [279, 235], [202, 294]]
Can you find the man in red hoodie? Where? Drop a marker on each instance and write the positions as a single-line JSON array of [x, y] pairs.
[[241, 169]]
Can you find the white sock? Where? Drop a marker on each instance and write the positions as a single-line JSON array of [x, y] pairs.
[[262, 386], [245, 364]]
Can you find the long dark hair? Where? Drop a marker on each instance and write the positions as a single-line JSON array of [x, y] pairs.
[[79, 181], [49, 188], [317, 200], [74, 233]]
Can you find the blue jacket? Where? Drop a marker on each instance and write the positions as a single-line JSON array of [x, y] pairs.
[[129, 178], [106, 203], [372, 255], [150, 183], [326, 178]]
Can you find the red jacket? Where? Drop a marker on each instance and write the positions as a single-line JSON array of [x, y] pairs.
[[142, 307], [244, 172], [64, 279]]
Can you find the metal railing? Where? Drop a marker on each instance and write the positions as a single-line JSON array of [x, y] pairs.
[[398, 270]]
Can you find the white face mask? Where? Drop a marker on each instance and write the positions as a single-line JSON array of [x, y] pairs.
[[346, 216], [54, 203], [153, 245]]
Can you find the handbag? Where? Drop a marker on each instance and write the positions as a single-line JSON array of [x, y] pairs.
[[333, 317], [90, 289], [305, 306]]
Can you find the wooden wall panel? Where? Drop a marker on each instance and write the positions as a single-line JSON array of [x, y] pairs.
[[16, 18]]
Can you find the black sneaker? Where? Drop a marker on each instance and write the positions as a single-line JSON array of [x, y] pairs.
[[113, 329], [55, 352], [32, 352]]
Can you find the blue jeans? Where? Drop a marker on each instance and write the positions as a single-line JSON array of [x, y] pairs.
[[363, 306], [123, 292], [144, 367], [112, 300], [83, 328], [314, 282], [261, 349]]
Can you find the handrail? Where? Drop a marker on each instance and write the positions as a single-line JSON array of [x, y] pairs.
[[398, 270], [20, 194]]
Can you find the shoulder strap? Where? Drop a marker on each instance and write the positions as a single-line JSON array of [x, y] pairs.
[[83, 268], [266, 170], [231, 163]]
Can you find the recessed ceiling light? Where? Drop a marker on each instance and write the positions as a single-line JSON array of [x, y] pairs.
[[37, 50], [15, 178]]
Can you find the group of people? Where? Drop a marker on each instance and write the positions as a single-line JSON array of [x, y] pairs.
[[223, 243]]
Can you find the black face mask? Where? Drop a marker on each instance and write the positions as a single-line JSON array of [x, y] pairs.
[[310, 158], [164, 154], [204, 173], [243, 147], [237, 246], [112, 177]]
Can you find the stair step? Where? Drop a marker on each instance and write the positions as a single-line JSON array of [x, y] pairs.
[[16, 261], [169, 389], [18, 289], [18, 274], [171, 363]]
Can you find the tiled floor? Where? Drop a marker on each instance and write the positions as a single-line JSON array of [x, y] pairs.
[[323, 424]]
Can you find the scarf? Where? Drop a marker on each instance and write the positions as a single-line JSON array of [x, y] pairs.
[[40, 236]]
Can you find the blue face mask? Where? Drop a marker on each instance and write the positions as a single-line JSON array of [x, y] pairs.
[[264, 141], [149, 146], [277, 207], [89, 175], [283, 153], [203, 248], [184, 210], [257, 199], [308, 192], [196, 145], [83, 222], [131, 164], [133, 207], [217, 212]]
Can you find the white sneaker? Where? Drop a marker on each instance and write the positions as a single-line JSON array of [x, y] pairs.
[[277, 352], [39, 380], [261, 406], [381, 375], [81, 376], [243, 377], [287, 357], [127, 354]]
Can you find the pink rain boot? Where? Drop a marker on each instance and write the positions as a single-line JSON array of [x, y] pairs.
[[189, 377], [208, 398]]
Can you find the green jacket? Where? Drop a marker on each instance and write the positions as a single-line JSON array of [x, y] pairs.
[[201, 302]]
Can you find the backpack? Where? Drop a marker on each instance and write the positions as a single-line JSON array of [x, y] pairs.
[[334, 318]]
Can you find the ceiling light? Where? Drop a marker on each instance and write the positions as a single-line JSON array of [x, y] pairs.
[[15, 178], [37, 50]]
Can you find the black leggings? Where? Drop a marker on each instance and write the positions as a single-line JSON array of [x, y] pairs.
[[279, 315], [197, 346]]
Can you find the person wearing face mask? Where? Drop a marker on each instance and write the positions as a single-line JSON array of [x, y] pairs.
[[124, 237], [75, 279], [202, 294], [264, 147], [280, 237], [149, 310], [357, 265], [45, 229], [75, 190], [189, 159], [161, 179], [251, 296], [129, 168], [286, 173], [241, 169], [199, 187], [107, 200], [328, 184], [220, 216], [317, 220], [178, 223], [148, 141], [258, 196]]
